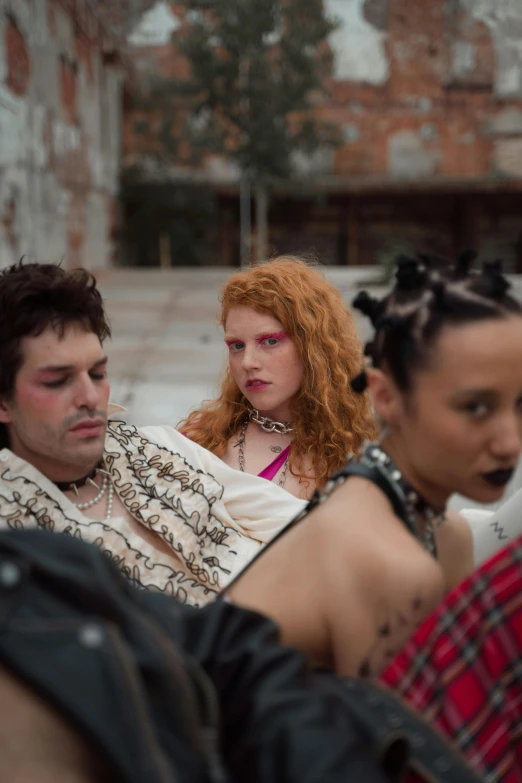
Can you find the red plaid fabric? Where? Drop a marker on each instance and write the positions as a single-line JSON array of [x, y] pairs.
[[462, 670]]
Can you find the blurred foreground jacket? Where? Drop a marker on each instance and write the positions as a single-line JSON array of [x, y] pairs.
[[170, 693]]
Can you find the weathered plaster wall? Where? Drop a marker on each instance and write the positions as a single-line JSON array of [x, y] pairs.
[[504, 20], [358, 44], [60, 107], [155, 27]]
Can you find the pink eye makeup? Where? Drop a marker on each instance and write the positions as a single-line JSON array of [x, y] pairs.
[[233, 342], [272, 336], [260, 339]]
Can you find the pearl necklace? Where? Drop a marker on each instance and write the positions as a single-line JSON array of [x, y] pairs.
[[106, 484]]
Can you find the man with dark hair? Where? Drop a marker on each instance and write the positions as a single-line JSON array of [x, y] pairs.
[[173, 516]]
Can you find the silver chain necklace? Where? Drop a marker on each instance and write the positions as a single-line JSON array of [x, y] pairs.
[[266, 424], [241, 449]]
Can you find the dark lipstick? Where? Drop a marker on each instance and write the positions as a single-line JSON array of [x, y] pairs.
[[498, 477]]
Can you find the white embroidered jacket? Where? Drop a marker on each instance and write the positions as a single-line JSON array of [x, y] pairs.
[[213, 518]]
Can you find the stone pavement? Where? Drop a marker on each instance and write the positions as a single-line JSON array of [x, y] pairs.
[[167, 352]]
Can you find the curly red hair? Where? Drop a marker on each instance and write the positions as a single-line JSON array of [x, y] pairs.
[[328, 418]]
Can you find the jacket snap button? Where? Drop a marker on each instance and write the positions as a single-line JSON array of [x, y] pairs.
[[418, 741], [442, 764], [395, 720], [10, 575], [91, 636]]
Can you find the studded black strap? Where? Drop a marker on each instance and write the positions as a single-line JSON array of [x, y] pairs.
[[381, 480]]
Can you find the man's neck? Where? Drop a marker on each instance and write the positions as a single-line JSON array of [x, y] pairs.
[[58, 472]]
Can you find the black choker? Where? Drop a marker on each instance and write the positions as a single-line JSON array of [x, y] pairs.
[[68, 486]]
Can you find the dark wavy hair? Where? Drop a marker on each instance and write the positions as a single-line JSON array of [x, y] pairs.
[[36, 297], [429, 293]]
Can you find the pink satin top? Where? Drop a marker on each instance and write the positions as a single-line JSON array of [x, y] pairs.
[[270, 471]]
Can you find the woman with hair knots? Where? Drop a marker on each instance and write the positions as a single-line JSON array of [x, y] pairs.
[[286, 411], [376, 562]]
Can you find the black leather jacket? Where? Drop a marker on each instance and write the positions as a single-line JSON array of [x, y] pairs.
[[170, 693]]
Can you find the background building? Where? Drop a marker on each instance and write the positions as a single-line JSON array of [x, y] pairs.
[[428, 96]]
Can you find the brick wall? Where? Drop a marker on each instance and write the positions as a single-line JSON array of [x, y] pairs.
[[428, 94], [449, 104], [420, 89]]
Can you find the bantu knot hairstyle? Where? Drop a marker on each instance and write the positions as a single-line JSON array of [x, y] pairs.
[[429, 293], [368, 305]]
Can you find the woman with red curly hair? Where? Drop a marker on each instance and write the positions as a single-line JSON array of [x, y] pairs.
[[286, 411]]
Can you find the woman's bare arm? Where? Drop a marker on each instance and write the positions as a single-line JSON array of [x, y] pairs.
[[348, 585], [400, 592]]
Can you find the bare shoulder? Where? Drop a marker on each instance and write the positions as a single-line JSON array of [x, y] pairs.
[[455, 549], [387, 585]]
